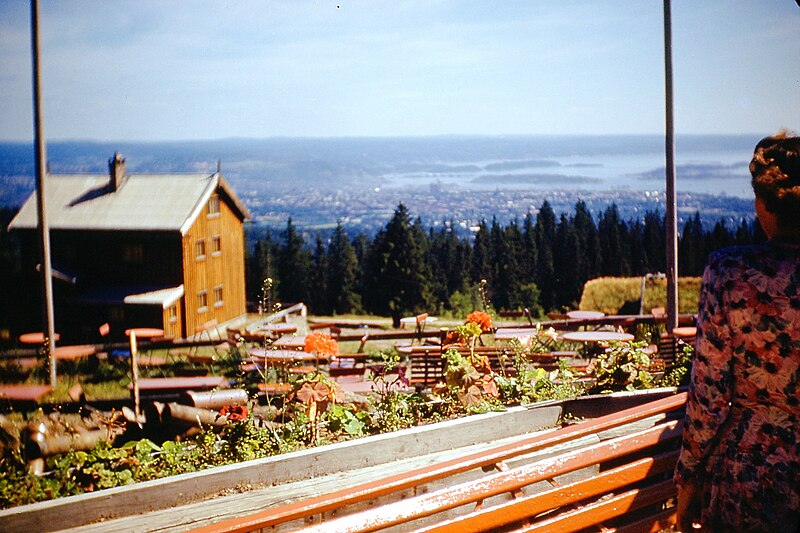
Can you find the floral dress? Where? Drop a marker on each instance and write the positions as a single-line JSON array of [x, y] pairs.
[[741, 439]]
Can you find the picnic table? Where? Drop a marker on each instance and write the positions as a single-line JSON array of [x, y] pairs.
[[35, 337], [24, 393], [596, 340], [179, 384], [282, 357], [685, 332], [585, 315], [418, 321], [145, 333], [73, 352], [278, 329], [596, 336], [523, 335], [290, 342]]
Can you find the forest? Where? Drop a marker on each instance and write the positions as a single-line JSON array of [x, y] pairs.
[[540, 263]]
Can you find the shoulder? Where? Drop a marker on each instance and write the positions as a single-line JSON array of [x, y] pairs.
[[737, 257]]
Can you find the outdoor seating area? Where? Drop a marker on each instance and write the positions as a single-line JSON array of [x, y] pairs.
[[573, 339]]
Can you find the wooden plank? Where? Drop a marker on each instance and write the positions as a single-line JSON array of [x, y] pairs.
[[597, 513], [530, 506]]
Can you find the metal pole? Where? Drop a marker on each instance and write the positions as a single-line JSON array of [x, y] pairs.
[[671, 218], [41, 169]]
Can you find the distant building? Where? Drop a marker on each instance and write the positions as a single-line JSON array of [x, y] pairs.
[[144, 250]]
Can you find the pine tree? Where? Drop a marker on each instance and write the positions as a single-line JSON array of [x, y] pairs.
[[342, 274], [544, 237], [318, 281], [397, 275], [567, 282], [294, 264], [614, 247]]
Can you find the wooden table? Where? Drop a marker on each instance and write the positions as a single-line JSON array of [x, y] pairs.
[[523, 335], [180, 383], [24, 393], [282, 357], [596, 336], [414, 321], [35, 337], [596, 341], [687, 332], [278, 329], [585, 315], [145, 333], [73, 352], [290, 342]]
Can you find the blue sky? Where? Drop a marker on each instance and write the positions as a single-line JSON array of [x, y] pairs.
[[154, 70]]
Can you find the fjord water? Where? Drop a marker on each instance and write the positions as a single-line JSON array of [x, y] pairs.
[[710, 164]]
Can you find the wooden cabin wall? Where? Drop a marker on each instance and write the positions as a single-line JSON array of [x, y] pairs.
[[223, 269]]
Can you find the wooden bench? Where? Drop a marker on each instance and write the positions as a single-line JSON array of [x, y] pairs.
[[426, 364], [629, 488], [24, 393]]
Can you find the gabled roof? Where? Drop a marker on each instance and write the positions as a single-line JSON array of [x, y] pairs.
[[145, 202]]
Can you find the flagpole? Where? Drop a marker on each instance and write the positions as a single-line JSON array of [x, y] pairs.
[[41, 169]]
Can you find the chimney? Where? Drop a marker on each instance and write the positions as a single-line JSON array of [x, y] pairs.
[[116, 168]]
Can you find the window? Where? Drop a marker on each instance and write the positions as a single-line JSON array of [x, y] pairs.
[[173, 313], [117, 314], [202, 301], [212, 208], [133, 253], [200, 249], [218, 301], [216, 245]]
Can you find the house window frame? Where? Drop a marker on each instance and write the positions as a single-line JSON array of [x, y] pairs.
[[216, 245], [200, 249], [212, 207], [133, 253], [219, 295], [202, 301], [172, 313]]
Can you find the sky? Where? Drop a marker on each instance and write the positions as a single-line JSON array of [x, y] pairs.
[[151, 70]]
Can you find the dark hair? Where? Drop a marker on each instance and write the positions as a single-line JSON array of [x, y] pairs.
[[775, 168]]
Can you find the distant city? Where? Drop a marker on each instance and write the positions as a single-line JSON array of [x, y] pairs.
[[360, 181]]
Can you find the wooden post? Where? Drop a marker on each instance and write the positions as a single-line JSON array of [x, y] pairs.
[[671, 214], [41, 170], [135, 376]]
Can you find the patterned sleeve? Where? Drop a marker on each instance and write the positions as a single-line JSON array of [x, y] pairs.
[[710, 387]]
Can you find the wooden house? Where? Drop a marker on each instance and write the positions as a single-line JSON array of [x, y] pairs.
[[143, 250]]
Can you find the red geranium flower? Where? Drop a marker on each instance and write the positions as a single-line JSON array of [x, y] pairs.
[[321, 343], [480, 318], [234, 413]]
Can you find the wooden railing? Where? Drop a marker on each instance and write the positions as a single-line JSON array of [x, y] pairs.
[[628, 486]]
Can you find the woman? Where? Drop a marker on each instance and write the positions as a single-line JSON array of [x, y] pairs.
[[739, 465]]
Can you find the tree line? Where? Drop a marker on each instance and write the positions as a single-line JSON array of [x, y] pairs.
[[540, 263]]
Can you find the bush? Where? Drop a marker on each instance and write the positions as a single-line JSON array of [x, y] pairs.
[[609, 295]]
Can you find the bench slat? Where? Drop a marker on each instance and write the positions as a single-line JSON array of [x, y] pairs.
[[530, 506]]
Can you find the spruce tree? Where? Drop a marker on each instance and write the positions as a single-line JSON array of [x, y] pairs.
[[294, 264], [342, 274], [544, 237], [397, 275]]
